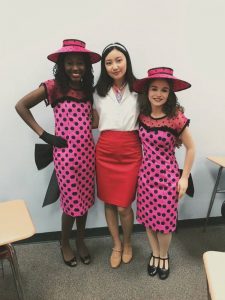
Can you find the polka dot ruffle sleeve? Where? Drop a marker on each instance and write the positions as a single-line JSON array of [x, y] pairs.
[[50, 87], [181, 122]]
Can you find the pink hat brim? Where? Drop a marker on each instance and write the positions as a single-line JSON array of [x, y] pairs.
[[178, 84], [94, 57]]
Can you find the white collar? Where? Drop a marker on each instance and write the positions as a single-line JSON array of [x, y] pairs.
[[125, 94]]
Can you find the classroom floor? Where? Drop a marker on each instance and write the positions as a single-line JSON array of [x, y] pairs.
[[46, 277]]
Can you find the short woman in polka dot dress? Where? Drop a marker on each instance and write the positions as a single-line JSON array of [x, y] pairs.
[[162, 122], [70, 95]]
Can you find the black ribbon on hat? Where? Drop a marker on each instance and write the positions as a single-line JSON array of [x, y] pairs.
[[43, 154]]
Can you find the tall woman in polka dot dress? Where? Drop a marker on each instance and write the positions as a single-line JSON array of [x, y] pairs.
[[70, 95], [118, 151], [162, 122]]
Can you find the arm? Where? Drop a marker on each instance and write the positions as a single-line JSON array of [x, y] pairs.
[[23, 107], [95, 119], [188, 142]]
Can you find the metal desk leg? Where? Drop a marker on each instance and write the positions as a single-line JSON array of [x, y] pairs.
[[213, 196]]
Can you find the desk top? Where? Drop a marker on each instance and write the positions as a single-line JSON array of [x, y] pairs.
[[15, 222], [219, 160]]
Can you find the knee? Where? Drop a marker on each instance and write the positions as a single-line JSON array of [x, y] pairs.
[[109, 207], [124, 211]]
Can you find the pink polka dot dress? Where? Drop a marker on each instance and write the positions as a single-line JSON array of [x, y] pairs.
[[157, 196], [74, 165]]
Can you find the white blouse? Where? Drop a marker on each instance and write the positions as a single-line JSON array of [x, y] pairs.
[[114, 115]]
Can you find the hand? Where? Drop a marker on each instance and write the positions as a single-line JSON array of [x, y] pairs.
[[53, 140], [182, 186]]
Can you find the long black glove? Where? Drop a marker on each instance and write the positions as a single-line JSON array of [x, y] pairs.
[[53, 140]]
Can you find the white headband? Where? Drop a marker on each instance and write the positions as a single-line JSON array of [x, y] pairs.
[[114, 45]]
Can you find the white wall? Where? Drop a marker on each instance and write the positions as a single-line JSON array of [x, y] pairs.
[[183, 34]]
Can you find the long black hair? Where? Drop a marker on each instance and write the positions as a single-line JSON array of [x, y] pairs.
[[105, 82], [63, 80], [170, 108]]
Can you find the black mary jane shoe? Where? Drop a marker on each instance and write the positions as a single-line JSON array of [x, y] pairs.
[[86, 260], [72, 262], [152, 269], [163, 272]]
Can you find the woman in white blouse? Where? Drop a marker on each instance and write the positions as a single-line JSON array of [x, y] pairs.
[[118, 150]]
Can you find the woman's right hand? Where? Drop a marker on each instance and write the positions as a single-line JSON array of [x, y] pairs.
[[53, 140]]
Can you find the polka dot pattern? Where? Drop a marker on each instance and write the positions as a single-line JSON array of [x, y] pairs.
[[74, 165], [157, 196]]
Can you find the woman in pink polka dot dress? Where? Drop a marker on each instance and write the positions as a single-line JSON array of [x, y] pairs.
[[162, 122], [70, 95], [74, 164]]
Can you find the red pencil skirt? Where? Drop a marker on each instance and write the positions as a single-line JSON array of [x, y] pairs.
[[118, 159]]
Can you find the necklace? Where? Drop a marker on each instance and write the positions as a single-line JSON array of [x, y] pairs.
[[118, 91]]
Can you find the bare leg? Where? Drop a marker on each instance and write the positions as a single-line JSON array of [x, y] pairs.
[[67, 225], [164, 243], [154, 243], [127, 221], [81, 247], [111, 216]]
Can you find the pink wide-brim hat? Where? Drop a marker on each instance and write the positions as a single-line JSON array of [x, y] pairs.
[[161, 73], [74, 46]]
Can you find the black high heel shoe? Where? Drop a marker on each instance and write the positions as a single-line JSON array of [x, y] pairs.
[[163, 272], [72, 262], [86, 260], [152, 269]]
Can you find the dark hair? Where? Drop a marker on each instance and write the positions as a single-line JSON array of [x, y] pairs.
[[63, 80], [171, 106], [105, 82]]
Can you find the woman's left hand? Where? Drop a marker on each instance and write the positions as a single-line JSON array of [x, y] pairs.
[[182, 186]]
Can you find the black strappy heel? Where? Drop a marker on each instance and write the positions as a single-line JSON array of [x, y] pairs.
[[152, 270], [72, 262], [163, 272]]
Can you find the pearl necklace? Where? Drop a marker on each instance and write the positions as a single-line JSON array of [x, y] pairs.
[[118, 91]]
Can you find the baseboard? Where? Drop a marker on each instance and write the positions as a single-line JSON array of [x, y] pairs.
[[201, 222], [103, 231]]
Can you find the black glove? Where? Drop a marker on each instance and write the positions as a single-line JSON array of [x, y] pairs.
[[53, 140]]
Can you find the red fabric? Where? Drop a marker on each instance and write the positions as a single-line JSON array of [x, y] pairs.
[[118, 159]]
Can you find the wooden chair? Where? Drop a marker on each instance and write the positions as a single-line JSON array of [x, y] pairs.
[[214, 263], [220, 161], [15, 225]]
